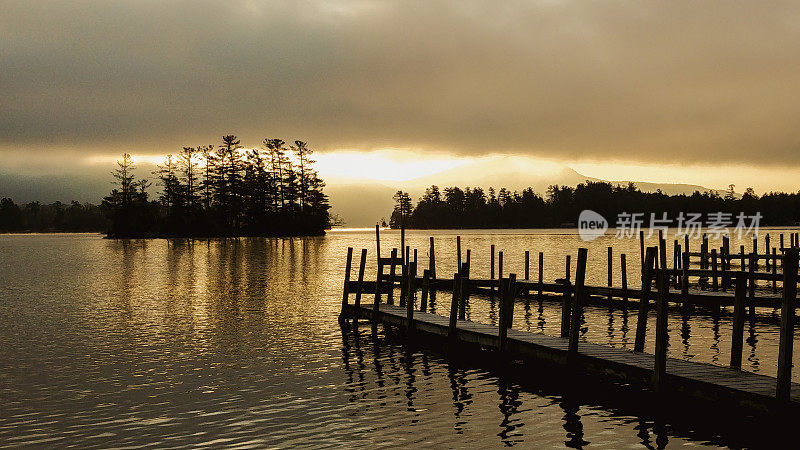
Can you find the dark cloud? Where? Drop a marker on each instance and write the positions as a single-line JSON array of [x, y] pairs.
[[648, 81]]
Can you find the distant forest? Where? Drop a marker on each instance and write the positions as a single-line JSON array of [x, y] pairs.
[[454, 207], [205, 192]]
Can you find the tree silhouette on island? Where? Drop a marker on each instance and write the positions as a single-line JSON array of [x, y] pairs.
[[220, 192]]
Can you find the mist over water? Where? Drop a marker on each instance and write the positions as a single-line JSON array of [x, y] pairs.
[[236, 343]]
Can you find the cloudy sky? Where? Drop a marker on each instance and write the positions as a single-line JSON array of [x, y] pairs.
[[692, 92]]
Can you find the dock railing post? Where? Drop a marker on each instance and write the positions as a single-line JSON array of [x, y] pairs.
[[458, 252], [641, 256], [565, 309], [660, 363], [541, 275], [644, 299], [738, 321], [345, 289], [714, 274], [507, 292], [500, 264], [751, 293], [577, 303], [412, 278], [774, 271], [451, 332], [403, 282], [784, 382], [392, 265], [623, 264], [463, 292], [423, 301], [687, 305], [432, 271], [527, 265], [360, 283]]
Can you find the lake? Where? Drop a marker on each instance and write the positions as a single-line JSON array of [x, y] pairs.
[[236, 343]]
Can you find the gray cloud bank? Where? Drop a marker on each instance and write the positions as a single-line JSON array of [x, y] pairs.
[[636, 80]]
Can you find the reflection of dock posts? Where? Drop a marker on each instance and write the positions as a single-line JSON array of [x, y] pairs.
[[577, 303], [541, 275], [463, 292], [423, 301], [360, 283], [507, 294], [527, 265], [660, 363], [623, 264], [644, 299], [347, 269], [738, 321], [783, 386], [451, 331], [392, 264], [774, 271], [610, 270]]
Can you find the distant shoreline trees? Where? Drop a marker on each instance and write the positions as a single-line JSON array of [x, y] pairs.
[[454, 207], [222, 191]]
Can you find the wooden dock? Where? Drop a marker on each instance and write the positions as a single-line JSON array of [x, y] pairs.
[[660, 286], [699, 380]]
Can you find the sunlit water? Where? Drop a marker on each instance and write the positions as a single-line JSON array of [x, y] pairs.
[[236, 343]]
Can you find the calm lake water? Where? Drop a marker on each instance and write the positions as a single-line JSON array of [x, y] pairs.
[[236, 343]]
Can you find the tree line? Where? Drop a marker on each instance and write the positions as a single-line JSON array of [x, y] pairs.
[[42, 218], [225, 190], [453, 207]]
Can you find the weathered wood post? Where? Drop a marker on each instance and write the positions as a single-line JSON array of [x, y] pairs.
[[677, 262], [380, 268], [527, 265], [467, 263], [774, 271], [714, 275], [463, 293], [458, 252], [577, 303], [767, 250], [726, 263], [568, 268], [755, 248], [641, 256], [423, 301], [703, 281], [784, 383], [451, 331], [624, 267], [738, 321], [507, 294], [610, 270], [662, 250], [347, 268], [412, 278], [500, 264], [541, 275], [660, 363], [432, 271], [392, 265], [360, 283], [402, 238], [644, 299], [491, 262], [781, 241], [565, 308], [404, 280], [686, 302]]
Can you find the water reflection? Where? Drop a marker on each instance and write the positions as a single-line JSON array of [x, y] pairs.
[[235, 342]]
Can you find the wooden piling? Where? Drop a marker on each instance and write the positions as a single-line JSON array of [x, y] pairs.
[[783, 386], [624, 267], [566, 276], [644, 299], [506, 319], [541, 274], [641, 255], [426, 281], [527, 265], [500, 264], [379, 276], [565, 309], [432, 269], [491, 262], [767, 250], [714, 275], [360, 283], [412, 278], [463, 293], [660, 363], [392, 265], [467, 263], [347, 269], [774, 271], [458, 252], [577, 303], [686, 302], [738, 321], [751, 294]]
